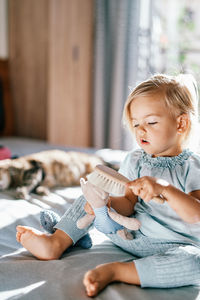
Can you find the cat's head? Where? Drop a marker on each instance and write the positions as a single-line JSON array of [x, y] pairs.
[[5, 178]]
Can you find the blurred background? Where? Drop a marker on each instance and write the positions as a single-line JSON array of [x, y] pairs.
[[67, 66]]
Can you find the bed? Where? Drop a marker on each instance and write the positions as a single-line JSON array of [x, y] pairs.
[[22, 276]]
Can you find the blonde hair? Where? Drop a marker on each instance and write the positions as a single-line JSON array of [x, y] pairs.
[[179, 93]]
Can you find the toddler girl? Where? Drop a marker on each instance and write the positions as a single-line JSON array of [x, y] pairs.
[[161, 113]]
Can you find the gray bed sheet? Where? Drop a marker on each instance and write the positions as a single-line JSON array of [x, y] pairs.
[[22, 276]]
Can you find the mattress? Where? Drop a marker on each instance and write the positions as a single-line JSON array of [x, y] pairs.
[[22, 276]]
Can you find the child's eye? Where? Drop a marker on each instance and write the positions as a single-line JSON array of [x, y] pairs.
[[152, 123]]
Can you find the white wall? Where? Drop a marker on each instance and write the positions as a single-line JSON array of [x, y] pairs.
[[3, 29]]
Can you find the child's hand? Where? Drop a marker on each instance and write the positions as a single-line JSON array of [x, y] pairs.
[[147, 187]]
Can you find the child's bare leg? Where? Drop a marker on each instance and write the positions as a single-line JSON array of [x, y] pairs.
[[97, 279], [41, 245]]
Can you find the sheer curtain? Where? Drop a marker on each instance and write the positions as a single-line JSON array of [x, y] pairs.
[[119, 64]]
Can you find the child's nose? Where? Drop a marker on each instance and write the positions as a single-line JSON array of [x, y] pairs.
[[141, 129]]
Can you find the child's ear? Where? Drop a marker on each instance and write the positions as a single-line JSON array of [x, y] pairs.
[[182, 123]]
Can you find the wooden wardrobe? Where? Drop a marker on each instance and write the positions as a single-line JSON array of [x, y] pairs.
[[51, 66]]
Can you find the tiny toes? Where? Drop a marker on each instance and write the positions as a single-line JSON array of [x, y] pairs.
[[93, 287], [18, 237], [90, 291], [86, 279], [20, 229]]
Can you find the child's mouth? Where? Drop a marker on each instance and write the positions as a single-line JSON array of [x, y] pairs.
[[144, 142]]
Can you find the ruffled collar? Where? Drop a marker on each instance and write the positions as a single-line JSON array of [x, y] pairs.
[[165, 162]]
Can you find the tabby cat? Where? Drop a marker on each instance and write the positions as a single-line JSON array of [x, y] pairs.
[[44, 170]]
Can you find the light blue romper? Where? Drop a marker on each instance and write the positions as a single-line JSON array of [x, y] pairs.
[[166, 247]]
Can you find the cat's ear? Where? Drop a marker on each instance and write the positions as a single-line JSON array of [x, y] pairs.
[[35, 163]]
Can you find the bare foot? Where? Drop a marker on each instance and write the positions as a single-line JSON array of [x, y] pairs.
[[97, 279], [42, 245]]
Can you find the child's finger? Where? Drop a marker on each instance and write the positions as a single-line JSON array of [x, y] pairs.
[[135, 187], [136, 191], [143, 194], [159, 199]]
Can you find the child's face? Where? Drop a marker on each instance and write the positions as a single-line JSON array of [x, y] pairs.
[[155, 129]]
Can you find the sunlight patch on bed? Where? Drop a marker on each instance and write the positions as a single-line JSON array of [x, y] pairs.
[[71, 192], [46, 202], [97, 237], [14, 253], [13, 208], [21, 291]]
